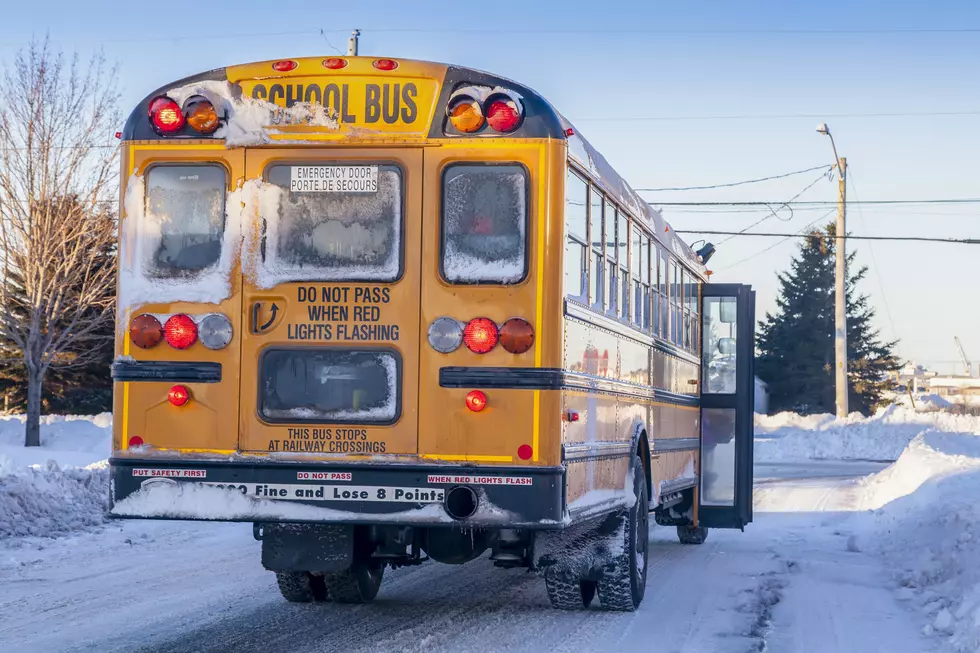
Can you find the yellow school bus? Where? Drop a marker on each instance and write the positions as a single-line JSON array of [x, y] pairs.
[[390, 310]]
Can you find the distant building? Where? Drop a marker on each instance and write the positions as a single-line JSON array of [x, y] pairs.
[[912, 376], [954, 386]]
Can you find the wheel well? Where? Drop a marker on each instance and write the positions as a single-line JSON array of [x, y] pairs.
[[643, 451]]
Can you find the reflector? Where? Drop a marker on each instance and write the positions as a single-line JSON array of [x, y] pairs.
[[524, 452], [135, 441]]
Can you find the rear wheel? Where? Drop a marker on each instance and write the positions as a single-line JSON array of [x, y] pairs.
[[623, 584], [359, 584], [301, 586], [692, 534], [566, 594]]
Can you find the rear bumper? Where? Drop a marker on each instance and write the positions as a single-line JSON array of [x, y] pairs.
[[339, 493]]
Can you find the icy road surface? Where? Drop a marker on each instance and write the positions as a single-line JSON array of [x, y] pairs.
[[789, 583]]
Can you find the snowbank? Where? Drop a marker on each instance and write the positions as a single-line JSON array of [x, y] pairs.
[[926, 524], [57, 488], [788, 436]]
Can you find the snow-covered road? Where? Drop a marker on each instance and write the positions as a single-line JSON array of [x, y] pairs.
[[792, 582]]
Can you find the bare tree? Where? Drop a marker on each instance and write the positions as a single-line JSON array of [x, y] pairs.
[[58, 178]]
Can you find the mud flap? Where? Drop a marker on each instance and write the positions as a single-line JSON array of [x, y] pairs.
[[322, 548]]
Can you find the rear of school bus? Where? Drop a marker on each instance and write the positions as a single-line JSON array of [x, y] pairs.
[[320, 261]]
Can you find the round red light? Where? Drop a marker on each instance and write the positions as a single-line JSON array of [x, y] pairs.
[[516, 335], [180, 331], [480, 335], [385, 64], [284, 66], [503, 115], [178, 395], [135, 441], [334, 63], [476, 401], [166, 115], [524, 452]]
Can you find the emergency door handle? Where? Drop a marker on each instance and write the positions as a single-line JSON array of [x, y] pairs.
[[258, 328]]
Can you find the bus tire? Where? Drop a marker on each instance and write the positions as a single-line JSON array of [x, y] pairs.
[[301, 586], [359, 584], [623, 584], [692, 534], [568, 594]]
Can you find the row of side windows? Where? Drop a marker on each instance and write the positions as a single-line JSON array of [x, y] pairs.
[[615, 267]]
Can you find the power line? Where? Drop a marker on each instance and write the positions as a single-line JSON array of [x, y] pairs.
[[781, 116], [874, 260], [801, 232], [821, 203], [772, 212], [736, 183], [924, 239]]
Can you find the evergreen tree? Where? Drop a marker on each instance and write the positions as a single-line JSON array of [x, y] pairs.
[[796, 345]]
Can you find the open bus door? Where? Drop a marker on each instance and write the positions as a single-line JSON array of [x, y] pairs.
[[727, 406]]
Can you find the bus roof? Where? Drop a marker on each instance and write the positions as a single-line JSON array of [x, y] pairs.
[[226, 88]]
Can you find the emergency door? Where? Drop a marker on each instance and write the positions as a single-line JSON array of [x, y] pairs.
[[727, 405], [331, 301]]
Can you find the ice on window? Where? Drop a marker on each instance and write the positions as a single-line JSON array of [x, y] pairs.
[[484, 224], [180, 237], [329, 385], [328, 236]]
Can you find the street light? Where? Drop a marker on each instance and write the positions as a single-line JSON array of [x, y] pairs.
[[840, 278]]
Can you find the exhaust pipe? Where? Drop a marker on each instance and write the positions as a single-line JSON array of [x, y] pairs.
[[461, 502]]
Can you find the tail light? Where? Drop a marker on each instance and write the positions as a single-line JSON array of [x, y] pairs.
[[284, 66], [445, 335], [516, 335], [504, 111], [476, 401], [215, 331], [480, 335], [465, 114], [178, 395], [200, 115], [385, 64], [145, 331], [180, 331], [166, 115], [334, 63]]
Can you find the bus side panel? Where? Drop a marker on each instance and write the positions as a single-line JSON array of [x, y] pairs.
[[142, 408], [513, 417]]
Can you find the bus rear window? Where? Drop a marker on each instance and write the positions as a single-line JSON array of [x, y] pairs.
[[484, 224], [185, 205], [334, 223], [329, 385]]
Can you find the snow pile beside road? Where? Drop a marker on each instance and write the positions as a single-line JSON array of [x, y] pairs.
[[883, 436], [926, 523], [57, 488]]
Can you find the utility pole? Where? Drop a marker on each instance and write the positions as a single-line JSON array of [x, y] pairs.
[[352, 43], [840, 278]]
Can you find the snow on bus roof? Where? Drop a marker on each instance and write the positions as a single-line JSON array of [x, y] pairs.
[[583, 153]]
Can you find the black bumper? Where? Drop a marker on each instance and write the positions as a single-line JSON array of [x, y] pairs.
[[340, 493]]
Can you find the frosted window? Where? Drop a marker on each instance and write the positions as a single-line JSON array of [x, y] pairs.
[[336, 236], [186, 206], [484, 225], [324, 385]]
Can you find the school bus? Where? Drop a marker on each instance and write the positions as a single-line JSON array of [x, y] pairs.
[[390, 311]]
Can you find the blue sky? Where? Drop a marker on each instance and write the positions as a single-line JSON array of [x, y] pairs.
[[658, 62]]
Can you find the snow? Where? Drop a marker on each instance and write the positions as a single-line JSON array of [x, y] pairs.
[[59, 488], [250, 121], [883, 436], [140, 237]]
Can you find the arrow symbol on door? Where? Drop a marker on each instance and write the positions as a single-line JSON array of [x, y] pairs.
[[275, 310]]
